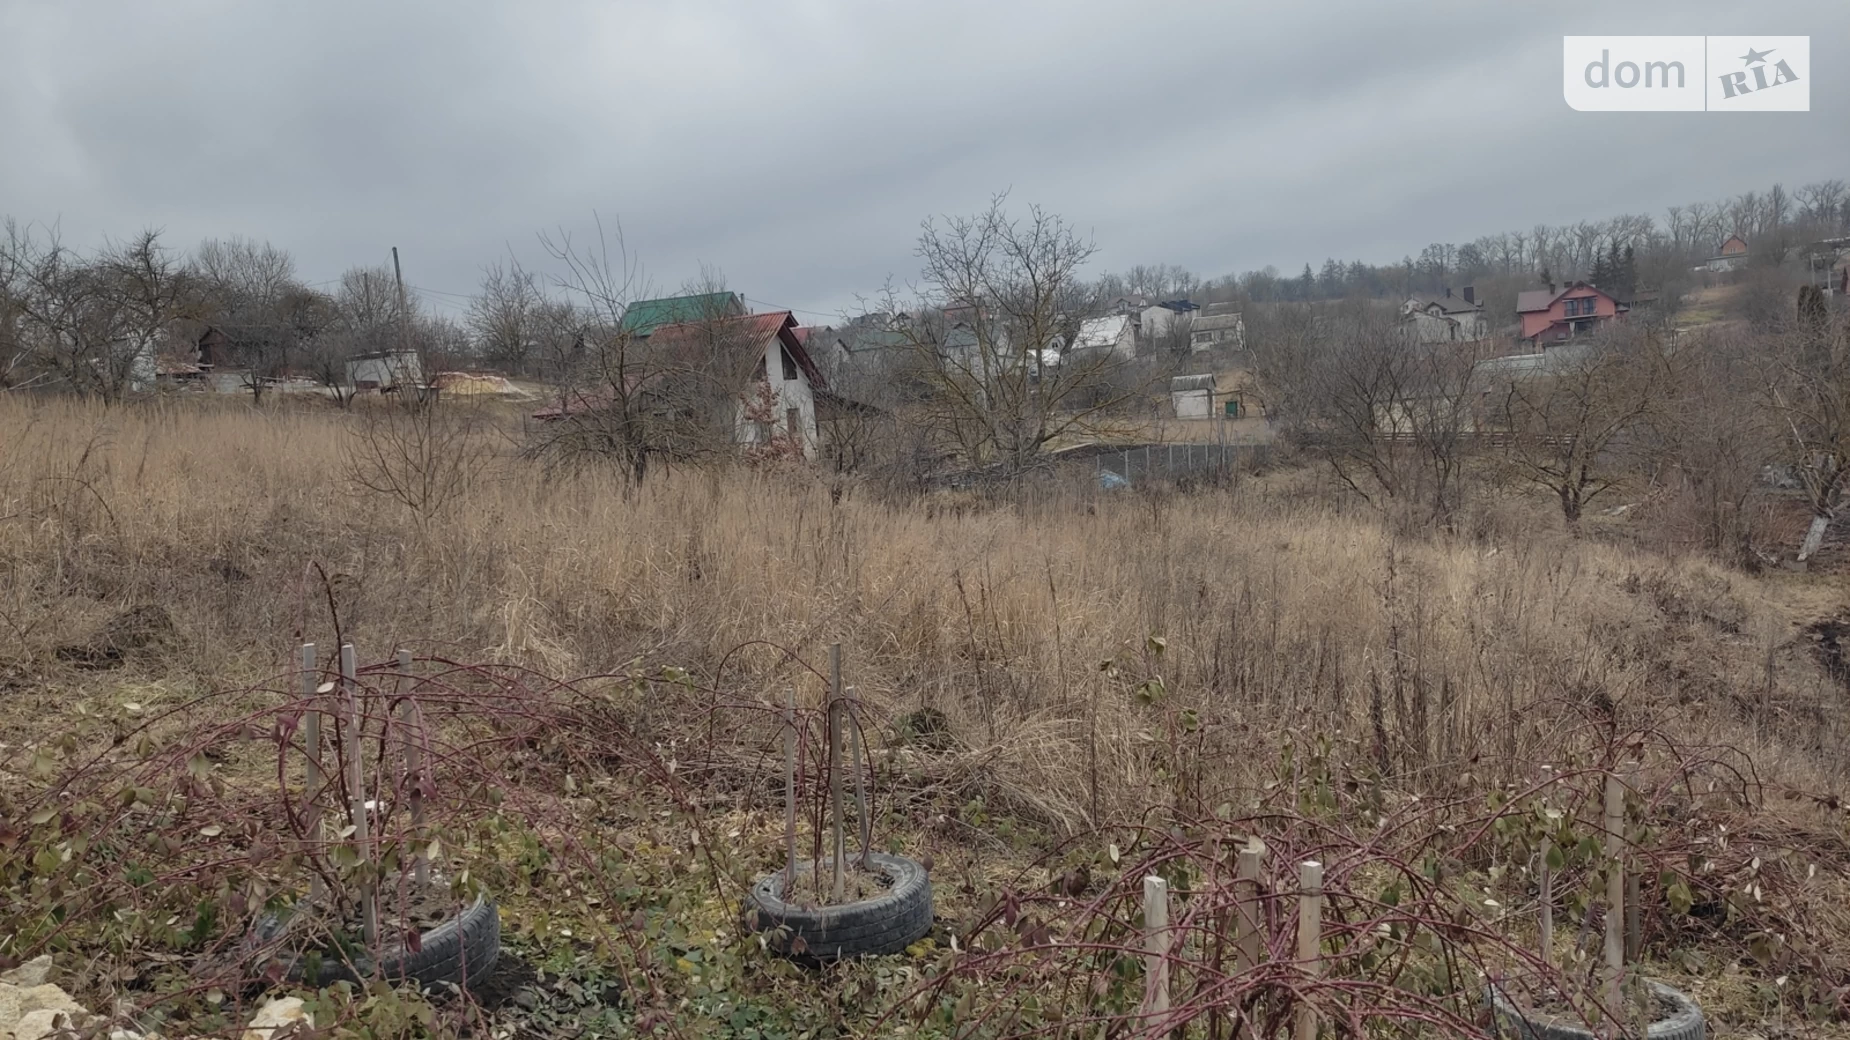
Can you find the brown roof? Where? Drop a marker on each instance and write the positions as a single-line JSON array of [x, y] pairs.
[[1542, 299], [1447, 304], [1216, 322], [749, 335], [1535, 300]]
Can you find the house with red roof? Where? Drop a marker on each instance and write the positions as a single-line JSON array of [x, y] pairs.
[[754, 365], [1553, 315], [1732, 254]]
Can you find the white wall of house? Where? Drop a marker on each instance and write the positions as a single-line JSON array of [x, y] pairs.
[[1428, 327], [1113, 333], [1155, 321], [1207, 339], [795, 393], [1193, 404], [390, 370]]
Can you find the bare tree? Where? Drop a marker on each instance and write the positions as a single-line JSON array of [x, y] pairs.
[[1003, 303], [1706, 442], [17, 367], [638, 396], [423, 458], [95, 322], [1566, 419], [507, 317], [252, 301], [1809, 391], [363, 317], [1395, 422]]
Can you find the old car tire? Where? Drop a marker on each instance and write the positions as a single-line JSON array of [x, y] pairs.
[[462, 950], [882, 924], [1685, 1023]]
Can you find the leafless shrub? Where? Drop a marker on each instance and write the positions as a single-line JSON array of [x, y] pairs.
[[425, 456]]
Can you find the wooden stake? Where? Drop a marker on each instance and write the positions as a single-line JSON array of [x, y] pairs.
[[1634, 921], [790, 787], [1156, 945], [835, 794], [1545, 880], [411, 718], [1615, 891], [860, 780], [1246, 890], [369, 889], [1310, 938], [312, 778]]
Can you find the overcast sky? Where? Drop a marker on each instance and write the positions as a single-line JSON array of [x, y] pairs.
[[796, 144]]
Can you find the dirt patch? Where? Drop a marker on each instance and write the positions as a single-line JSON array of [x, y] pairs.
[[1828, 636], [813, 888], [137, 628]]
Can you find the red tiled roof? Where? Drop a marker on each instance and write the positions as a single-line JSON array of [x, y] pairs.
[[750, 334], [1542, 299]]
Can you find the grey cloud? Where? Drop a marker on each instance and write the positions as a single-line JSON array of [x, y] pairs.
[[796, 144]]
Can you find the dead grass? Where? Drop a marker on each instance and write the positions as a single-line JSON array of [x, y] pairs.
[[1277, 613], [1072, 643]]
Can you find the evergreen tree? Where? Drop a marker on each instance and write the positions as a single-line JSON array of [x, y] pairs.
[[1628, 273], [1602, 271], [1307, 283]]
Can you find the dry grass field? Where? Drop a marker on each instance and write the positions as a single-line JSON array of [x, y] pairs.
[[1094, 656]]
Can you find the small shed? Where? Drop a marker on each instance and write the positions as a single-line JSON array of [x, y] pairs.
[[382, 369], [1192, 397]]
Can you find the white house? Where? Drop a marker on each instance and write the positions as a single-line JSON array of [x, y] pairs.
[[1156, 319], [780, 400], [773, 400], [1113, 332], [1445, 318], [384, 368], [1192, 397]]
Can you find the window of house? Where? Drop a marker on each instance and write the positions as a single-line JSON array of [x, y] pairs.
[[793, 422], [761, 432], [790, 365], [758, 373]]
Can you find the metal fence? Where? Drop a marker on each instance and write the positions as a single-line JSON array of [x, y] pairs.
[[1140, 462]]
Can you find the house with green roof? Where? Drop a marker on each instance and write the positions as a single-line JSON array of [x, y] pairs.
[[645, 316]]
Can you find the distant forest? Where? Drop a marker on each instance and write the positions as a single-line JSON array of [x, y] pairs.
[[1626, 254]]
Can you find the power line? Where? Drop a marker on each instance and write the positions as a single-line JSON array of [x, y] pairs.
[[797, 310], [440, 292]]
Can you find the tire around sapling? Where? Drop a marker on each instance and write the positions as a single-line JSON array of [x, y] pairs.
[[886, 923], [1686, 1022], [462, 950]]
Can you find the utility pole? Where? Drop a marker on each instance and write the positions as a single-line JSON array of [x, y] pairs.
[[404, 322]]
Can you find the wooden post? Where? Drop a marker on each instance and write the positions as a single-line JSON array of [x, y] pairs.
[[313, 781], [1634, 920], [1156, 945], [1615, 892], [369, 903], [835, 796], [790, 788], [1545, 880], [410, 718], [1246, 890], [1310, 937], [860, 781]]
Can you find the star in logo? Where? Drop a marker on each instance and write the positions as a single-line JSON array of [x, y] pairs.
[[1753, 56]]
